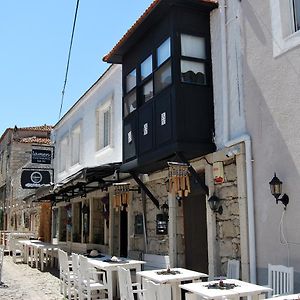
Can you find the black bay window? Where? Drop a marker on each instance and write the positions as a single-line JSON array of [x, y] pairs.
[[193, 59], [154, 76]]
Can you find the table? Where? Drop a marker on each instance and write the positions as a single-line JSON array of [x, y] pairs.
[[112, 268], [174, 280], [243, 288], [25, 244]]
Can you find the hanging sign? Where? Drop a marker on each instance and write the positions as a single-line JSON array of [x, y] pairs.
[[32, 179], [39, 156]]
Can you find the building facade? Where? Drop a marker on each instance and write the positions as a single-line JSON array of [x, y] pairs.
[[26, 164]]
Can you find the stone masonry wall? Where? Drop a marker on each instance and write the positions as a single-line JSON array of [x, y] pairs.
[[227, 224]]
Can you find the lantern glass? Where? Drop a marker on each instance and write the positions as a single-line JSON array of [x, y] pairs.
[[214, 203], [275, 186]]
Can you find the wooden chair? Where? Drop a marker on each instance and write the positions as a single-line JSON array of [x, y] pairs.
[[280, 280], [155, 291], [75, 269], [127, 290], [90, 288]]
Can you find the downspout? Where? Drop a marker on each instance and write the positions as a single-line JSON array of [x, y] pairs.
[[244, 138]]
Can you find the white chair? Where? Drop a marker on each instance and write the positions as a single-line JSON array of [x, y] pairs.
[[280, 280], [127, 290], [89, 287], [75, 269], [65, 275], [155, 291], [17, 251], [233, 269]]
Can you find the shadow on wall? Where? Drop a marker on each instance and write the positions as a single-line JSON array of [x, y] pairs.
[[273, 150]]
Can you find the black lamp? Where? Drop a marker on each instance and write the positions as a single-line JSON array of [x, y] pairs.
[[215, 204], [276, 189], [165, 209]]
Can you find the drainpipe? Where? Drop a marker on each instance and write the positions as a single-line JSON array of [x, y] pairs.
[[244, 138]]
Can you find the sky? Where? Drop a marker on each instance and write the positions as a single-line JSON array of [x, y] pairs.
[[34, 42]]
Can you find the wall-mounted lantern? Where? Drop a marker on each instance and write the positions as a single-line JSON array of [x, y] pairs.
[[138, 224], [215, 204], [276, 190], [162, 220]]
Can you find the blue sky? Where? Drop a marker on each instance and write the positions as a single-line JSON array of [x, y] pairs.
[[34, 39]]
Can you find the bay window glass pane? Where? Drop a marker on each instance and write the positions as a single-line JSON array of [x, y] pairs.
[[146, 67], [163, 77], [130, 103], [148, 91], [131, 80], [163, 51], [192, 46], [297, 14], [193, 72]]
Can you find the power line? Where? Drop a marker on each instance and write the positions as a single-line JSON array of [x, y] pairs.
[[68, 62]]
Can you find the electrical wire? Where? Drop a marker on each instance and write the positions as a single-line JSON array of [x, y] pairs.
[[68, 62]]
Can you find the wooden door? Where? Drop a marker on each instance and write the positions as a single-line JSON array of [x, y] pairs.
[[195, 231], [123, 233]]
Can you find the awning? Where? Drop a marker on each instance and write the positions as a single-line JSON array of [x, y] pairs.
[[80, 183]]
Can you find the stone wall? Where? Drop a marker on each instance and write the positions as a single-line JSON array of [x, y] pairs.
[[227, 223]]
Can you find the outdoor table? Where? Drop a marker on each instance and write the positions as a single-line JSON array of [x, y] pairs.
[[242, 289], [26, 248], [112, 267], [179, 275], [41, 251]]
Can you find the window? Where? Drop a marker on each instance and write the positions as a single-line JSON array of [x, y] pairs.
[[146, 67], [75, 145], [296, 11], [63, 154], [104, 121], [147, 91], [163, 77], [129, 103], [163, 51], [285, 17], [193, 59], [155, 74], [131, 80]]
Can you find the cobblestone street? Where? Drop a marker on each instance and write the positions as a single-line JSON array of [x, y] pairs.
[[26, 283]]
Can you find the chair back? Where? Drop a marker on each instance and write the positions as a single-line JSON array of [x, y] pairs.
[[233, 269], [281, 279], [155, 291], [84, 272], [125, 284]]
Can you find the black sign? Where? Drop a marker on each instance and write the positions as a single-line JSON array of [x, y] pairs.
[[41, 156], [32, 179]]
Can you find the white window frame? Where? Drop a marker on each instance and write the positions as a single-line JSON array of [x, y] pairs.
[[63, 155], [285, 37], [101, 110], [76, 134]]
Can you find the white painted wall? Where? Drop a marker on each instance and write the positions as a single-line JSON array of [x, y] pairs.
[[84, 112], [271, 91]]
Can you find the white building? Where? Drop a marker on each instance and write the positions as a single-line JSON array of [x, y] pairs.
[[87, 142]]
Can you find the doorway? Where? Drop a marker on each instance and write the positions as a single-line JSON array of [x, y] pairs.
[[195, 230], [123, 232]]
